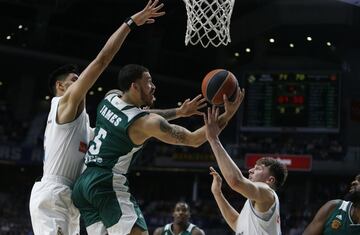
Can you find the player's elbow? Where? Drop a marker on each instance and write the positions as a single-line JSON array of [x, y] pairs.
[[196, 143]]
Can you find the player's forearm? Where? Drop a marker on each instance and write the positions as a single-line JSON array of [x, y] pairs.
[[168, 114], [228, 212], [113, 44], [230, 171]]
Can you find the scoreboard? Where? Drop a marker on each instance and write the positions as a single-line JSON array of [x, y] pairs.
[[291, 101]]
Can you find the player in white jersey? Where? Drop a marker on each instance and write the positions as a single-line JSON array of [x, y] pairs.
[[261, 212], [67, 134]]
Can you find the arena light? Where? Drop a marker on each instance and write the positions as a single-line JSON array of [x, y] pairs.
[[91, 93], [236, 54], [20, 26], [248, 50], [1, 83], [309, 38], [271, 40], [8, 37], [99, 88], [328, 44], [47, 97], [291, 45]]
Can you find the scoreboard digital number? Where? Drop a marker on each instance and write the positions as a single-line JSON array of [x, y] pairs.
[[302, 102]]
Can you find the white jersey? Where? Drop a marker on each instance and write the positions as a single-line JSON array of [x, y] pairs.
[[65, 145], [251, 222]]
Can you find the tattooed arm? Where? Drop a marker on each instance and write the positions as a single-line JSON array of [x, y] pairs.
[[154, 125]]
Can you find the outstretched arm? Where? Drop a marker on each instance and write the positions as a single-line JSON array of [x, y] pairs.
[[316, 227], [229, 213], [187, 109], [154, 125], [75, 94], [259, 192]]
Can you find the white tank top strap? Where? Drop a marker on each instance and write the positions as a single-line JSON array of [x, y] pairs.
[[57, 179], [190, 227]]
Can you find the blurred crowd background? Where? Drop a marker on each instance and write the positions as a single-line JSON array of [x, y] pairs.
[[36, 36]]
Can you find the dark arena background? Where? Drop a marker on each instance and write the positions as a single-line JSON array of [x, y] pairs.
[[278, 48]]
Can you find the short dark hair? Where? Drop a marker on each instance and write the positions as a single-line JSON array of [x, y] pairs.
[[276, 168], [60, 74], [129, 74]]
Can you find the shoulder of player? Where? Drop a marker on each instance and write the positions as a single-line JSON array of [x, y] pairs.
[[197, 231], [329, 207], [158, 230], [265, 188]]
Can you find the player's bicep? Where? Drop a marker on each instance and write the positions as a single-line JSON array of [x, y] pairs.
[[316, 227], [198, 231]]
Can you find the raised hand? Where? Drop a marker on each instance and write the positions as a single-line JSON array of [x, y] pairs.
[[191, 107], [232, 107], [212, 128], [147, 15], [217, 181]]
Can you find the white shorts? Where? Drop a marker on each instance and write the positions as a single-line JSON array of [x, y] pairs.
[[51, 209]]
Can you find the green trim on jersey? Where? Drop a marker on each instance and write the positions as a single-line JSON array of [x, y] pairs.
[[340, 222]]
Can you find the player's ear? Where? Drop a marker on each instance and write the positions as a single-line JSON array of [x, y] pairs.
[[271, 180], [59, 85], [135, 86]]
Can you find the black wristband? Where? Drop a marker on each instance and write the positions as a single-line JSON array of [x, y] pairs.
[[130, 22]]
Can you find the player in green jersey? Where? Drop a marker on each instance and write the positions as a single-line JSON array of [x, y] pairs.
[[122, 127], [338, 217], [181, 224]]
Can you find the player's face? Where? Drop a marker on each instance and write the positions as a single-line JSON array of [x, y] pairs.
[[69, 80], [355, 186], [259, 173], [147, 89], [181, 213], [354, 191]]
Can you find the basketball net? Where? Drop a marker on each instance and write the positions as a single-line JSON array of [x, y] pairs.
[[208, 22]]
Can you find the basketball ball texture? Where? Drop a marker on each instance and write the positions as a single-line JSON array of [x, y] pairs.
[[217, 83]]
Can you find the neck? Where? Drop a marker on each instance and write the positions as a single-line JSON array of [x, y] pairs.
[[178, 228], [129, 99]]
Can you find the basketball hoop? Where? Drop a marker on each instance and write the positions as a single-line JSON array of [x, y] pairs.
[[208, 22]]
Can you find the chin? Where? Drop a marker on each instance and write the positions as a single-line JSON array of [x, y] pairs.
[[353, 196]]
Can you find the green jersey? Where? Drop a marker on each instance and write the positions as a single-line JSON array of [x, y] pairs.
[[340, 222], [111, 147], [168, 230]]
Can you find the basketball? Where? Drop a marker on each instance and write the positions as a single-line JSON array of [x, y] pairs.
[[217, 83]]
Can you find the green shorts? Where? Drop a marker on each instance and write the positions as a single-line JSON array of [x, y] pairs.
[[103, 196]]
